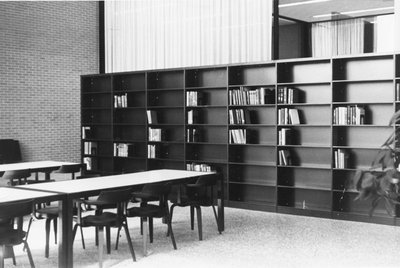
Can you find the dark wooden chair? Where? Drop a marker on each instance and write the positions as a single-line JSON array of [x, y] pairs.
[[107, 220], [12, 231], [16, 177], [49, 212], [149, 211], [197, 195]]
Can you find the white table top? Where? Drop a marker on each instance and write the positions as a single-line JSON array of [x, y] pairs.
[[33, 165], [101, 183], [9, 194]]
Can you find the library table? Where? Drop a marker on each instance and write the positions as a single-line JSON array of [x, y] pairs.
[[93, 186], [36, 166]]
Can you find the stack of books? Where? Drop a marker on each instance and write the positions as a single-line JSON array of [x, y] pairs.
[[121, 101], [288, 116], [349, 115], [239, 116]]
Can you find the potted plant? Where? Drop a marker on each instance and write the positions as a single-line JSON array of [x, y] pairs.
[[381, 182]]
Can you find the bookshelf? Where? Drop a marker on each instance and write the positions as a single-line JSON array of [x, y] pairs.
[[241, 120], [129, 125]]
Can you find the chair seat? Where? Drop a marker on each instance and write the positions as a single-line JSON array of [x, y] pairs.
[[51, 211], [105, 219], [186, 201], [12, 237], [147, 211]]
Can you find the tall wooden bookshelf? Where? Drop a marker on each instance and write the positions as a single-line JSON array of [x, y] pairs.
[[287, 135]]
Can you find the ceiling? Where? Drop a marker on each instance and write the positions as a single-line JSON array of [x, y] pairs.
[[307, 10]]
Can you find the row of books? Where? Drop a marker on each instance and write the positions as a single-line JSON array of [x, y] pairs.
[[239, 116], [246, 96], [121, 101], [123, 149], [194, 98], [152, 151], [199, 167], [90, 147], [155, 134], [238, 136], [284, 158], [288, 95], [288, 116], [349, 115], [192, 135], [341, 158], [285, 136]]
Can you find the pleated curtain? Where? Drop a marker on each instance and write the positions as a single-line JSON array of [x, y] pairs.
[[157, 34]]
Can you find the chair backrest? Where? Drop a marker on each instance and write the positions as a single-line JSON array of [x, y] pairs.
[[161, 190], [11, 210], [72, 169], [16, 177], [207, 190], [115, 196]]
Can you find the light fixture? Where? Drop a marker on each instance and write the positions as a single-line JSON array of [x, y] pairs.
[[354, 12], [303, 3]]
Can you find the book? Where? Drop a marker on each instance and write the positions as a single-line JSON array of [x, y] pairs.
[[294, 116], [152, 117]]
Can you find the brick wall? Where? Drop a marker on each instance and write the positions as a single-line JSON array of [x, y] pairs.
[[44, 48]]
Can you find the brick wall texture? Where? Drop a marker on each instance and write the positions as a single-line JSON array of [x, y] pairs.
[[44, 48]]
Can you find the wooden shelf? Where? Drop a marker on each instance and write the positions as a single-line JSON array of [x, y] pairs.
[[310, 185]]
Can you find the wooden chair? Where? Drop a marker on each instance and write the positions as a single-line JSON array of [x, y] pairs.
[[11, 228], [149, 211], [200, 194], [107, 220], [16, 177], [50, 212]]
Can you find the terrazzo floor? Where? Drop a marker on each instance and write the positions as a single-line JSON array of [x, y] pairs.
[[251, 239]]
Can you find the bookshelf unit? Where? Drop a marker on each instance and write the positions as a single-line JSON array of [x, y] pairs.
[[304, 185], [129, 125], [165, 98], [288, 135]]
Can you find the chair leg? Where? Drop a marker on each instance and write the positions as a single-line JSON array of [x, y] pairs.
[[46, 250], [108, 238], [100, 247], [28, 251], [83, 239], [151, 229], [145, 226], [171, 213], [74, 232], [216, 218], [117, 241], [128, 238], [13, 255], [191, 217], [171, 232], [55, 230], [199, 222], [27, 231], [2, 250]]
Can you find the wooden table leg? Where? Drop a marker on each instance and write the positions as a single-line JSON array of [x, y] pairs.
[[65, 234]]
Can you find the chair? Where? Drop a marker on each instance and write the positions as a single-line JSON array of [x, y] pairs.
[[150, 211], [50, 212], [199, 194], [101, 220], [11, 228], [16, 177]]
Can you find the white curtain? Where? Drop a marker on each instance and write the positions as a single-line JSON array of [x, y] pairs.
[[157, 34], [337, 37]]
